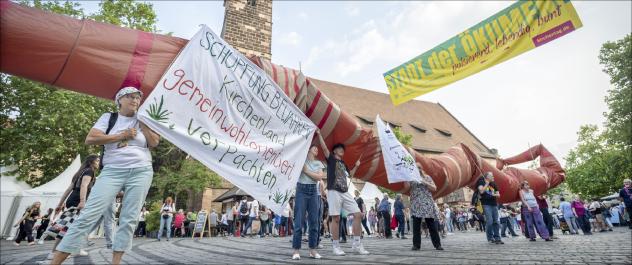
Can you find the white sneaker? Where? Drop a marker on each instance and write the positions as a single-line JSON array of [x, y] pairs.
[[40, 242], [360, 249], [50, 256], [338, 251], [83, 252], [296, 257]]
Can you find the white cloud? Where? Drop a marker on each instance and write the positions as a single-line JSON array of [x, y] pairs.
[[302, 15], [352, 10], [291, 38]]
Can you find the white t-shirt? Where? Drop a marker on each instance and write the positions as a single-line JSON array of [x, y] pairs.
[[168, 208], [141, 217], [254, 208], [224, 220], [286, 211], [447, 213], [117, 155]]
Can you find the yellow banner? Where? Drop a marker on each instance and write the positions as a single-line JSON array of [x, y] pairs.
[[516, 29]]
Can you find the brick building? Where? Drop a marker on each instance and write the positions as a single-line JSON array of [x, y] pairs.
[[248, 28]]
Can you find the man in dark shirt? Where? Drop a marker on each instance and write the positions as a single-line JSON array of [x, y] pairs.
[[362, 207], [338, 197], [488, 192], [625, 195]]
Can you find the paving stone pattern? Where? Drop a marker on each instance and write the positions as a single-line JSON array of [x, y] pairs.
[[460, 248]]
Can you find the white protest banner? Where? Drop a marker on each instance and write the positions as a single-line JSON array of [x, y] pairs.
[[400, 165], [223, 110]]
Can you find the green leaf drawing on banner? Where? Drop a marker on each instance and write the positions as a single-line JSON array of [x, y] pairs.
[[157, 112]]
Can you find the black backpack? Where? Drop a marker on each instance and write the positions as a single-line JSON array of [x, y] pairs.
[[111, 122], [243, 209]]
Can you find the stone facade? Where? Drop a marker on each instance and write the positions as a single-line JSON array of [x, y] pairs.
[[248, 26]]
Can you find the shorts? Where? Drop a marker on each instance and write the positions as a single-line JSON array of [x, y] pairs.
[[341, 201]]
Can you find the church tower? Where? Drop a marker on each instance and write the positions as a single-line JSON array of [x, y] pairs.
[[248, 26]]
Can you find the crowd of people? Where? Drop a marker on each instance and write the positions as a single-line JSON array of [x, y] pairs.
[[318, 209]]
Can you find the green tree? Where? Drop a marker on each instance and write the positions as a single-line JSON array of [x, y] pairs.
[[43, 127], [191, 177], [404, 138], [615, 58], [127, 13], [602, 159], [596, 167]]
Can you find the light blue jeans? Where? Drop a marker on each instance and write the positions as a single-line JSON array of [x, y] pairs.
[[492, 227], [165, 222], [135, 182], [108, 223]]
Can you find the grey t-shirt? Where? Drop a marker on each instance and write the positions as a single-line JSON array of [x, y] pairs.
[[313, 166]]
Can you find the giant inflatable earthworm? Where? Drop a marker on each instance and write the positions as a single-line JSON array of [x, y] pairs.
[[97, 59]]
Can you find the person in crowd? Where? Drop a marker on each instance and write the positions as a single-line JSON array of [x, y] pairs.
[[338, 197], [43, 225], [580, 213], [384, 210], [244, 214], [178, 222], [264, 217], [462, 218], [230, 219], [223, 225], [213, 220], [596, 210], [480, 219], [607, 216], [531, 213], [285, 219], [373, 219], [141, 230], [625, 196], [77, 193], [546, 215], [423, 208], [504, 221], [362, 207], [399, 216], [320, 188], [488, 192], [166, 216], [325, 219], [447, 213], [569, 216], [253, 214], [127, 167], [191, 217], [407, 217], [25, 224]]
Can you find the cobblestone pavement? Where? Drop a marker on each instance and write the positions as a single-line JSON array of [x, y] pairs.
[[460, 248]]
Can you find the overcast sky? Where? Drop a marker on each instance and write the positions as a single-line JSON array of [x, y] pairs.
[[542, 96]]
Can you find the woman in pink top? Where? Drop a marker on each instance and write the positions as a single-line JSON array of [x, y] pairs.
[[179, 221], [580, 211]]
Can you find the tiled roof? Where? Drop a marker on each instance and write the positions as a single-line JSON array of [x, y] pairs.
[[433, 128]]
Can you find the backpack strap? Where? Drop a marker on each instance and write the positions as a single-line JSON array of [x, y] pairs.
[[111, 122]]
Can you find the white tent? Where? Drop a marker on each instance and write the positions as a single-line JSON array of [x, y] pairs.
[[370, 192], [48, 194], [10, 189]]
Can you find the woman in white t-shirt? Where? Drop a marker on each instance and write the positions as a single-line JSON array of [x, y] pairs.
[[127, 166], [166, 216]]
